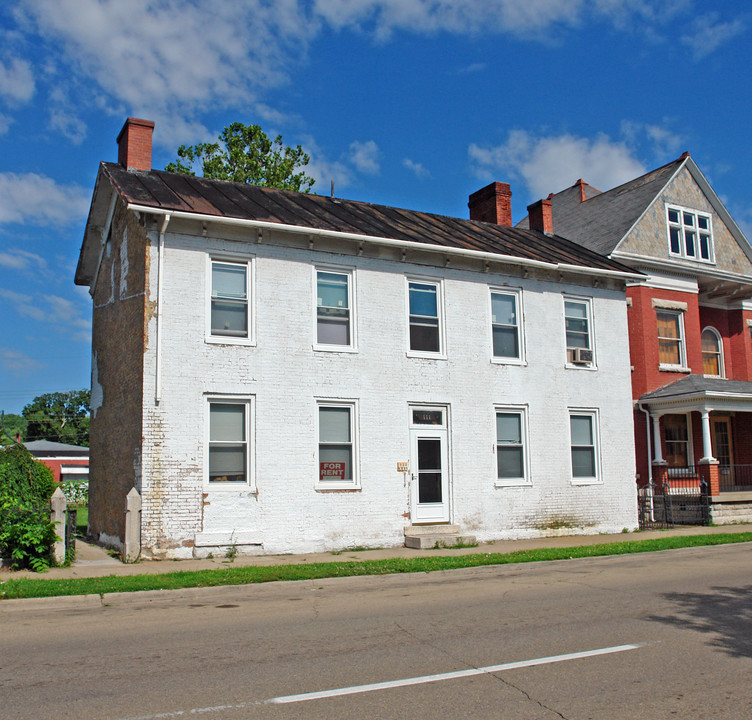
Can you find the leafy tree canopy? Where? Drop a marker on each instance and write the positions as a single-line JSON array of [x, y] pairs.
[[245, 154], [12, 424], [59, 417]]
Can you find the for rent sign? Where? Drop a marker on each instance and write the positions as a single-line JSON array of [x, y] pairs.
[[332, 471]]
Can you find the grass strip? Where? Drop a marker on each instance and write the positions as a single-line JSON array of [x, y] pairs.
[[28, 588]]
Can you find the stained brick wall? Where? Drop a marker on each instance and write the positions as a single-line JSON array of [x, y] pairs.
[[117, 376]]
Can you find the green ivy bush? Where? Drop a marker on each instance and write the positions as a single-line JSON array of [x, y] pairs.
[[26, 532]]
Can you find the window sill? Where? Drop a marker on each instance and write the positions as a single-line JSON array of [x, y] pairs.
[[673, 368], [508, 361], [426, 355], [587, 481], [581, 366], [335, 348], [225, 487], [336, 487], [227, 340], [513, 483], [679, 256]]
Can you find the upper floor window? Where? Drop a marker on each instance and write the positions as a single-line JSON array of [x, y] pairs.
[[229, 313], [506, 324], [334, 321], [671, 350], [690, 233], [425, 317], [712, 353], [578, 329]]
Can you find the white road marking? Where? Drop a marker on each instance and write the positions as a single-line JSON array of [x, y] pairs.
[[451, 675]]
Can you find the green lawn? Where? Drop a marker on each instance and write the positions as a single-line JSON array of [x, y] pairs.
[[28, 588]]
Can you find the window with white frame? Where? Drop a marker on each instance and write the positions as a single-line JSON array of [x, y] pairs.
[[425, 316], [334, 321], [690, 233], [579, 331], [583, 430], [229, 443], [712, 353], [671, 349], [229, 313], [337, 456], [511, 446], [506, 324]]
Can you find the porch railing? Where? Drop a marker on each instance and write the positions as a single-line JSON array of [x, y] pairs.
[[735, 478]]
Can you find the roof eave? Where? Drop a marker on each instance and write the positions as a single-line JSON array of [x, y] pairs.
[[406, 244]]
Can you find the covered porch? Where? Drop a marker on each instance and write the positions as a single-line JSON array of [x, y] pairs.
[[701, 443]]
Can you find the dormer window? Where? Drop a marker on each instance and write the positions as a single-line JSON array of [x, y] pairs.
[[690, 233]]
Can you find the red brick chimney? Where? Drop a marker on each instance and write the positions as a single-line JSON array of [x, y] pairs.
[[492, 204], [134, 144], [539, 216]]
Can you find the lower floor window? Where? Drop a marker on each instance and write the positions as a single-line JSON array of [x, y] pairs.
[[228, 442], [676, 434], [510, 445], [584, 436], [336, 444]]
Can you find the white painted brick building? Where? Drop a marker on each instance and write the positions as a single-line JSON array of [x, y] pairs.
[[319, 384]]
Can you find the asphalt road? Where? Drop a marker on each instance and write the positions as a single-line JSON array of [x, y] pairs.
[[673, 629]]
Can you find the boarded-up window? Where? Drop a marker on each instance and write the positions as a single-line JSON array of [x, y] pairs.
[[670, 340]]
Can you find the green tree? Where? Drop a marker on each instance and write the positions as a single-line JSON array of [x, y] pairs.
[[10, 425], [245, 154], [59, 417]]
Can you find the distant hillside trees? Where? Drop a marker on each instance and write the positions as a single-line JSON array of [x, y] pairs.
[[59, 417]]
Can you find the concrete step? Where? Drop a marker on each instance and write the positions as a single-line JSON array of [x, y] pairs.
[[423, 537]]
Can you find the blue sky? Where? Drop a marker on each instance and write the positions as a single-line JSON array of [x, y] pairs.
[[413, 103]]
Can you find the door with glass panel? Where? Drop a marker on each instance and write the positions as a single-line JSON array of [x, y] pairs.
[[429, 465]]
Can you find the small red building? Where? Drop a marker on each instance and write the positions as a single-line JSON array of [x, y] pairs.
[[67, 462]]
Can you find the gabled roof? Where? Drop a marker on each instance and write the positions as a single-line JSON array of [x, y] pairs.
[[47, 447], [170, 192], [602, 221]]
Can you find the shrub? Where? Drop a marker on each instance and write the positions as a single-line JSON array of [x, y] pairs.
[[76, 492], [26, 532]]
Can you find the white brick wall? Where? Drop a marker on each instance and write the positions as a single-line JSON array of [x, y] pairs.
[[285, 376]]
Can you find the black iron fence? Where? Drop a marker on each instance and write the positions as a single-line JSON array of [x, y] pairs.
[[682, 500]]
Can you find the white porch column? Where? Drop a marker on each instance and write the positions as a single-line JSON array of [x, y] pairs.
[[657, 452], [707, 447]]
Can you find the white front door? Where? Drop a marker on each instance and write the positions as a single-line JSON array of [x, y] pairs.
[[429, 465]]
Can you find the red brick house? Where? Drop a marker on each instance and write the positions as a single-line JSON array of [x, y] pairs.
[[690, 321]]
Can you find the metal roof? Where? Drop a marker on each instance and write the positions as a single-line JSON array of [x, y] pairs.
[[167, 192], [47, 447]]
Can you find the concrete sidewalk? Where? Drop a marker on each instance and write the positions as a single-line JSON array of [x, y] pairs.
[[93, 561]]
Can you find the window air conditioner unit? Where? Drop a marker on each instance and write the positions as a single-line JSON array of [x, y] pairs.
[[582, 355]]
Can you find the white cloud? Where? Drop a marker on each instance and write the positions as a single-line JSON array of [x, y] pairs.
[[662, 141], [18, 259], [39, 200], [416, 168], [17, 363], [365, 156], [708, 34], [64, 314], [16, 80], [550, 164], [5, 123], [532, 17], [175, 55]]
